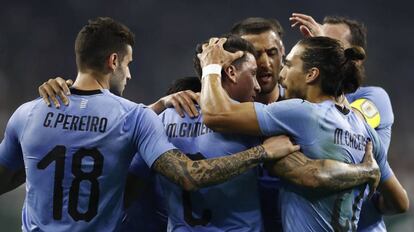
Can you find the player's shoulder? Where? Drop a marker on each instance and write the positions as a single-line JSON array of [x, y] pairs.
[[375, 91], [127, 105], [291, 108], [27, 107], [293, 103], [372, 93], [373, 100]]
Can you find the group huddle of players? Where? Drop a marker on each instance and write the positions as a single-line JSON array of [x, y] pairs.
[[99, 162]]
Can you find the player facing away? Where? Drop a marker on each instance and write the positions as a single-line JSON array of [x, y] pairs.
[[373, 103], [76, 158], [318, 70], [325, 175]]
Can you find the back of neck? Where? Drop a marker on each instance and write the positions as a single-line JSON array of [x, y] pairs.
[[91, 81]]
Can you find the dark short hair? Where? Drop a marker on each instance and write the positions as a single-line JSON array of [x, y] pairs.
[[256, 25], [234, 43], [338, 72], [186, 83], [358, 29], [98, 40]]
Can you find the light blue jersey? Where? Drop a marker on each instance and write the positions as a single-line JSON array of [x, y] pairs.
[[76, 158], [371, 219], [269, 192], [382, 102], [230, 206], [324, 131]]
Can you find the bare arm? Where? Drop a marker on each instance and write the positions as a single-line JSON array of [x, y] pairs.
[[192, 175], [183, 101], [327, 175], [9, 180], [53, 88], [393, 198], [307, 25], [220, 113]]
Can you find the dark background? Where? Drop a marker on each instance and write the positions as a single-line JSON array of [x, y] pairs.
[[37, 39]]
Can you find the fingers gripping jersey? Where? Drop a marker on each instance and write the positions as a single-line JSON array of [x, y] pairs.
[[324, 132], [76, 158]]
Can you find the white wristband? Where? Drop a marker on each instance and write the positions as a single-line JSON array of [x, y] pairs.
[[211, 69]]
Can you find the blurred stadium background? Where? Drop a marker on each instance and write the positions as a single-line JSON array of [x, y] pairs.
[[37, 38]]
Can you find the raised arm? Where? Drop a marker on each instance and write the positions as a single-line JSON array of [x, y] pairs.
[[192, 175], [220, 113], [327, 175], [306, 24]]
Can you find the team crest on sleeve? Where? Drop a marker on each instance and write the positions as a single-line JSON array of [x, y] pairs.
[[369, 110]]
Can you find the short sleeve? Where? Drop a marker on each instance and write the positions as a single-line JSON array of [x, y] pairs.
[[381, 100], [382, 104], [11, 155], [294, 117], [149, 136]]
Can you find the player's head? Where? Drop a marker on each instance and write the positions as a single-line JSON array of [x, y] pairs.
[[186, 83], [266, 37], [322, 63], [349, 32], [104, 46], [238, 79]]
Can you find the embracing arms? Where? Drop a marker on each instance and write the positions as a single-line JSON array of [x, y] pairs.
[[192, 175]]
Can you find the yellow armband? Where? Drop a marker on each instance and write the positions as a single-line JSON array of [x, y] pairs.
[[368, 110]]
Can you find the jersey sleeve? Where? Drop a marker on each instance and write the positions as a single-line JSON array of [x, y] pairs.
[[11, 155], [381, 110], [294, 117], [380, 155], [148, 135], [382, 101]]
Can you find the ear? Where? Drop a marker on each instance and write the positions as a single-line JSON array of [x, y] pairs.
[[231, 73], [312, 75], [112, 61]]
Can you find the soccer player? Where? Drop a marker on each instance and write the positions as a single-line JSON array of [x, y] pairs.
[[233, 205], [318, 70], [239, 82], [373, 103], [266, 36], [76, 158]]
